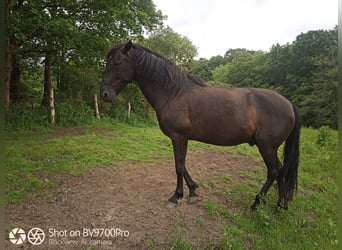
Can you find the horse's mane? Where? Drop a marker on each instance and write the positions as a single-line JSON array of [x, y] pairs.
[[159, 70]]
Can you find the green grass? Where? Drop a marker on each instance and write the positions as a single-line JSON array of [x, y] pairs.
[[176, 239], [76, 150], [310, 222]]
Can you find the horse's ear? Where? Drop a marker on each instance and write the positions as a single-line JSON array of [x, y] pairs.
[[127, 47]]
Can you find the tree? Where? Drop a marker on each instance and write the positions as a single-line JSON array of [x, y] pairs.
[[279, 64], [62, 31], [311, 76], [309, 45], [176, 47], [204, 67], [319, 106], [8, 65], [305, 72], [243, 68], [234, 54]]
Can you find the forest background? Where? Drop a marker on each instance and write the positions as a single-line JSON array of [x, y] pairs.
[[61, 45]]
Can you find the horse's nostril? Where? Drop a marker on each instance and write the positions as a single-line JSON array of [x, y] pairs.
[[105, 95]]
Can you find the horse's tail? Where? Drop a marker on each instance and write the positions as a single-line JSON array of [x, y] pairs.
[[291, 158]]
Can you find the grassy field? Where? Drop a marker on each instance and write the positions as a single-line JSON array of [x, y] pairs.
[[310, 223]]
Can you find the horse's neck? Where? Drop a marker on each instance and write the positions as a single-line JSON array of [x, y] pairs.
[[154, 86], [155, 95]]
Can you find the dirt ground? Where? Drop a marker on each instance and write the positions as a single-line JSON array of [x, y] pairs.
[[125, 208]]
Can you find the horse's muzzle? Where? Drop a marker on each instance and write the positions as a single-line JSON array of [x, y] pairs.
[[107, 96]]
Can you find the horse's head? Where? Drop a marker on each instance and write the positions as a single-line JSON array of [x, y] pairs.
[[119, 71]]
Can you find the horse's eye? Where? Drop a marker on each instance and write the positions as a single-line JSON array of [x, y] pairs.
[[116, 59], [113, 61], [109, 58]]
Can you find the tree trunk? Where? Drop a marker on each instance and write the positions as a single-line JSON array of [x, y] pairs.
[[47, 80], [96, 107], [8, 62], [15, 94], [8, 68]]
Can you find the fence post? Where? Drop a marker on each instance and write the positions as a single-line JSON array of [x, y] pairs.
[[96, 107], [52, 107], [129, 108]]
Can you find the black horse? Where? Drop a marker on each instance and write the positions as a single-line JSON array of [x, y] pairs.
[[189, 109]]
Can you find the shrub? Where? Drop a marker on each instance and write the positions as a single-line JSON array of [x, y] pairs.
[[324, 136], [73, 114], [23, 118], [37, 118]]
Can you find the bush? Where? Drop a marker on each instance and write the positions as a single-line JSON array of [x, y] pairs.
[[67, 114], [324, 136], [73, 114], [23, 118]]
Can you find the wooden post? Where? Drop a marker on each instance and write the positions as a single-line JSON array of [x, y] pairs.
[[96, 107], [52, 107], [129, 108]]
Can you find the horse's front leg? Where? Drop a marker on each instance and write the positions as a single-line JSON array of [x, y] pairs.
[[193, 197], [180, 146]]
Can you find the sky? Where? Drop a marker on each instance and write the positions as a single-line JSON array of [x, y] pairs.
[[214, 26]]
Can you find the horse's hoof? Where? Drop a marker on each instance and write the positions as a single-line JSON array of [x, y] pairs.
[[170, 204], [254, 207], [282, 205], [194, 199]]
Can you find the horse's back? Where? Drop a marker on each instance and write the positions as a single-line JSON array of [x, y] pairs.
[[239, 115], [267, 104]]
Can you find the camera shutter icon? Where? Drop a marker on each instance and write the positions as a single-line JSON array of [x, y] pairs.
[[17, 236]]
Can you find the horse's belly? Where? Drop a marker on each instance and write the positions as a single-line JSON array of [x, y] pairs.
[[221, 141], [222, 136]]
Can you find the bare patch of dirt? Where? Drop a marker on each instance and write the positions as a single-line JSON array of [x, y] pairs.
[[130, 204]]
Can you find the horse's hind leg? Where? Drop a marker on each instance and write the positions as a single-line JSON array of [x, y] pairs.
[[271, 160], [282, 202]]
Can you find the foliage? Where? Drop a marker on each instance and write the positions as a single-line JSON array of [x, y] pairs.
[[77, 29], [23, 118], [176, 47], [305, 72], [319, 102], [37, 118], [75, 36], [324, 136], [204, 68], [71, 114], [311, 77]]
